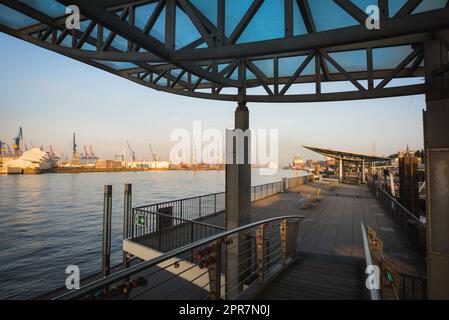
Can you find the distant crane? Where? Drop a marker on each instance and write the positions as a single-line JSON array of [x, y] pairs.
[[154, 155], [86, 154], [92, 154], [17, 140], [75, 159], [2, 149], [131, 152]]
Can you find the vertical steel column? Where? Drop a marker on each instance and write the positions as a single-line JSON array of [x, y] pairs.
[[127, 216], [436, 143], [238, 203], [107, 218], [363, 172], [340, 170]]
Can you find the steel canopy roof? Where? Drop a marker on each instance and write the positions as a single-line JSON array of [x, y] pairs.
[[347, 156], [256, 50]]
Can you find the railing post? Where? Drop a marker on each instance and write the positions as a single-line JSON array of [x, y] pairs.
[[215, 272], [191, 238], [127, 204], [289, 239], [260, 251], [107, 217], [283, 234], [199, 207], [215, 203]]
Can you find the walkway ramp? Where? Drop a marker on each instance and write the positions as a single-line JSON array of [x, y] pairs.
[[318, 277]]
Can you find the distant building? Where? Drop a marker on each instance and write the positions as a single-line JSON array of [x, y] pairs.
[[298, 163], [148, 164], [108, 164], [329, 161]]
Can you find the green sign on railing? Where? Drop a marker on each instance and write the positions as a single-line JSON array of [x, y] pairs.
[[141, 220]]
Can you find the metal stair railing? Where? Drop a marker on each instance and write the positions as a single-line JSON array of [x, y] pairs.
[[229, 265]]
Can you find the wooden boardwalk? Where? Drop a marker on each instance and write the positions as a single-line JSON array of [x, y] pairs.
[[330, 241], [331, 257], [318, 277]]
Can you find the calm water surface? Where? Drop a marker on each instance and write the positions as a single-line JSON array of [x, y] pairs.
[[50, 221]]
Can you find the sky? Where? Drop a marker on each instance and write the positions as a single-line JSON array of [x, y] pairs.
[[52, 96]]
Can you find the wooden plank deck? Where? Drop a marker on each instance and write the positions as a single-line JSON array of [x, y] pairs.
[[330, 241], [318, 277]]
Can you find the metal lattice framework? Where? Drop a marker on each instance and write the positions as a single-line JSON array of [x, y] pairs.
[[153, 43]]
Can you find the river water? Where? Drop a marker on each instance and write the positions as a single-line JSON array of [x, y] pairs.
[[50, 221]]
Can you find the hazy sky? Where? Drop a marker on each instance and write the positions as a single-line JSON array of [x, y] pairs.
[[52, 96]]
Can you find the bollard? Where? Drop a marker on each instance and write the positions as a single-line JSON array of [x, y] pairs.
[[107, 217], [127, 221]]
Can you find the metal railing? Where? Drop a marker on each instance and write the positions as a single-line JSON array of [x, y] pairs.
[[410, 225], [413, 287], [298, 181], [406, 287], [233, 264], [374, 293], [265, 190], [165, 232], [205, 206]]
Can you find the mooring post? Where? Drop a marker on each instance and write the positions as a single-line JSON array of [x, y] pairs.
[[127, 208], [107, 218]]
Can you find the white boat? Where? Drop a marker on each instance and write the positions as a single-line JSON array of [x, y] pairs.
[[33, 159]]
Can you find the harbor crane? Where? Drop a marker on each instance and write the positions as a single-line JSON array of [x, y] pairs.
[[2, 150], [75, 159], [17, 140], [154, 155], [131, 152]]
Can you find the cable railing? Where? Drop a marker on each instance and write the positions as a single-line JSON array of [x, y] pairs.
[[233, 264], [409, 224]]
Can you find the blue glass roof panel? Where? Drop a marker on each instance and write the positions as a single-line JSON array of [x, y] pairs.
[[143, 14], [185, 30], [331, 18], [389, 58], [49, 7], [429, 5], [364, 4], [208, 8], [120, 43], [267, 23], [395, 6], [158, 30], [289, 65], [351, 61], [266, 66], [14, 19], [299, 26], [234, 11]]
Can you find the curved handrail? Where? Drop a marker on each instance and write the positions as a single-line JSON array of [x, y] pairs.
[[374, 293], [153, 262]]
